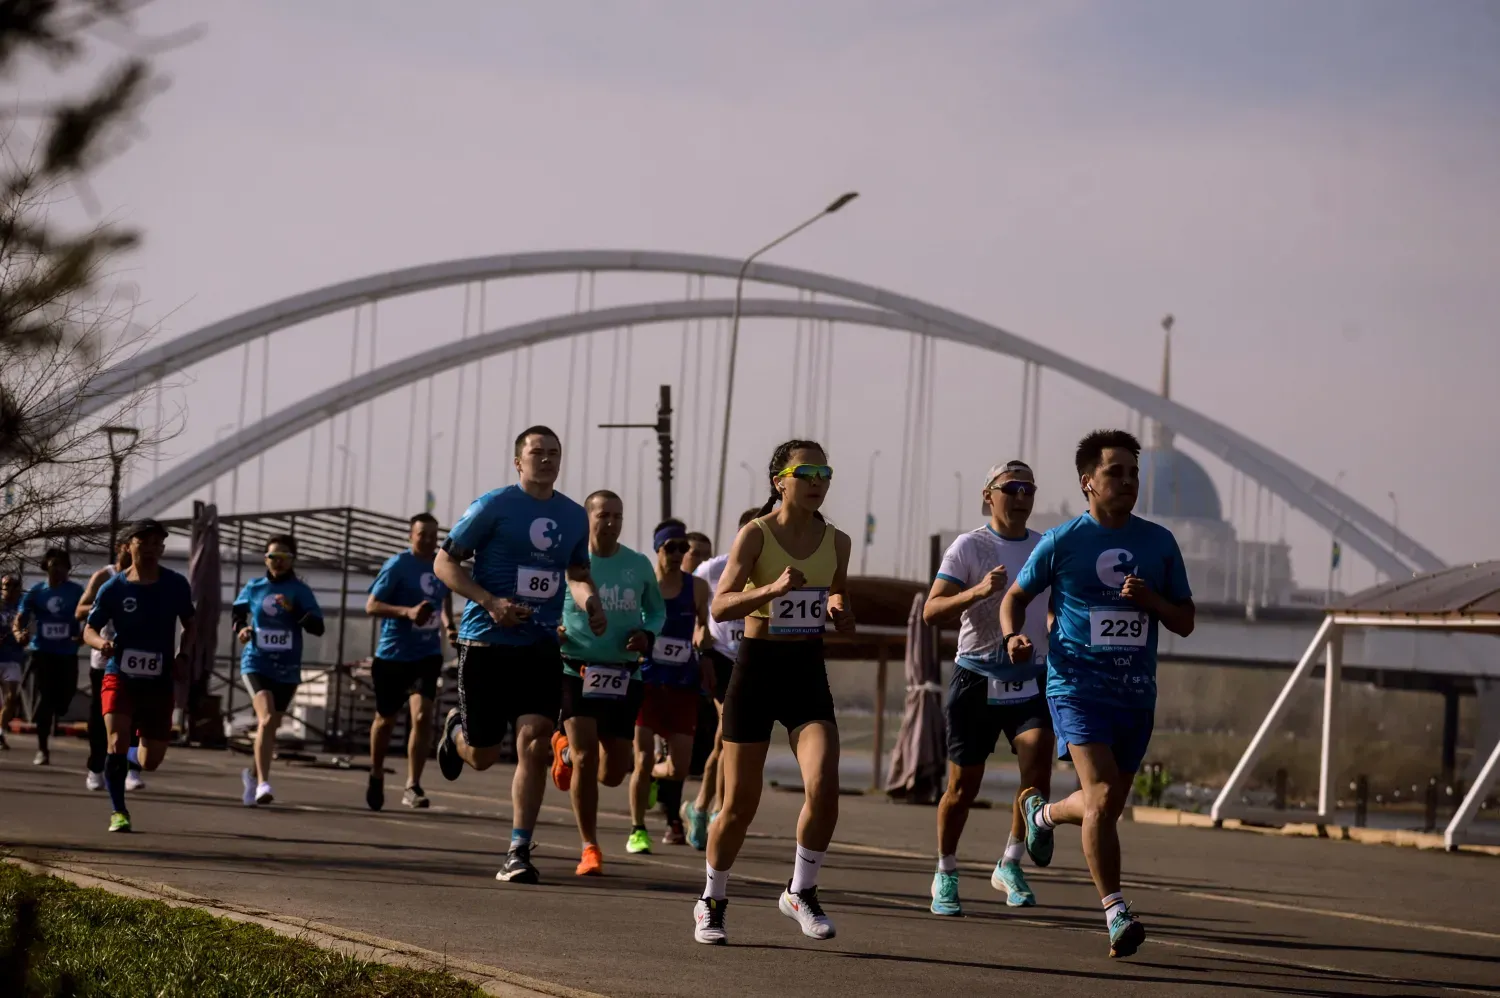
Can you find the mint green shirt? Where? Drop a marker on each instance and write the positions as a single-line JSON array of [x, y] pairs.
[[632, 601]]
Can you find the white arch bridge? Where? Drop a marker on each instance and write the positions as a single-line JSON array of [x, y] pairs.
[[1358, 527]]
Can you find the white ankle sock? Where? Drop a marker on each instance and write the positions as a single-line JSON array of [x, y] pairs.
[[805, 872], [1113, 903], [948, 863], [718, 884], [1044, 817], [1014, 849]]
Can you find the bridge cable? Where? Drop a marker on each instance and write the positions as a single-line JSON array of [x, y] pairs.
[[265, 388], [239, 424], [1025, 407], [370, 407], [411, 443], [1036, 412], [563, 476], [696, 408], [901, 507], [611, 437], [429, 501], [626, 414], [588, 394], [476, 428], [828, 393], [679, 394], [791, 409], [718, 386], [458, 408]]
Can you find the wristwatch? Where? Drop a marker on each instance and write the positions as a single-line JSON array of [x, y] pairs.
[[1005, 641]]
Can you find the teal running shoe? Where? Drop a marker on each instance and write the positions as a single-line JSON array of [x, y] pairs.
[[945, 894], [1010, 881], [1126, 933], [696, 823], [1038, 840]]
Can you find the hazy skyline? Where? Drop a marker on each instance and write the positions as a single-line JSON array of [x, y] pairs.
[[1310, 189]]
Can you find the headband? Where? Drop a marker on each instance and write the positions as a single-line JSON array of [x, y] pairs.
[[667, 532]]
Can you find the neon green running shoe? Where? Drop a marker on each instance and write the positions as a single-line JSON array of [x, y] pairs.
[[1010, 881], [945, 894], [1126, 933], [1038, 840], [651, 797], [119, 821], [639, 841]]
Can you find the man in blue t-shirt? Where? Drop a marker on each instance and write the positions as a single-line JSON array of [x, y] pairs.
[[527, 541], [268, 617], [144, 604], [416, 609], [46, 619], [12, 653], [1113, 578]]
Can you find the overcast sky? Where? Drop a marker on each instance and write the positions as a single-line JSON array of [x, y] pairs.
[[1312, 189]]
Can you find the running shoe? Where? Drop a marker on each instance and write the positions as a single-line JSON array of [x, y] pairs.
[[945, 894], [41, 759], [263, 794], [639, 841], [1126, 933], [518, 868], [414, 797], [562, 762], [94, 781], [808, 912], [1038, 840], [375, 793], [708, 922], [1010, 881], [697, 825], [592, 863], [247, 781], [133, 781], [651, 796], [4, 745], [449, 761], [119, 821], [675, 835]]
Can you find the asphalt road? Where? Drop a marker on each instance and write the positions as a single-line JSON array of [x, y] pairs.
[[1226, 912]]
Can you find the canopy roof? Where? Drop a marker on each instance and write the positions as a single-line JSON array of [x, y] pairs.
[[1466, 592]]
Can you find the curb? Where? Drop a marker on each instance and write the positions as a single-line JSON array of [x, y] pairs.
[[1306, 829], [492, 980]]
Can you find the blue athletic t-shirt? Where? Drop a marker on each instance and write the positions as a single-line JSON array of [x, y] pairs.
[[522, 548], [54, 629], [406, 580], [145, 619], [1103, 647], [276, 608]]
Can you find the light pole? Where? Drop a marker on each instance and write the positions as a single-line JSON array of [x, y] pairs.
[[213, 490], [1395, 525], [734, 344], [126, 436], [749, 482], [1333, 540], [864, 554]]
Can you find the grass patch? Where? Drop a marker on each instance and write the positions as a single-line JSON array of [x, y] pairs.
[[59, 940]]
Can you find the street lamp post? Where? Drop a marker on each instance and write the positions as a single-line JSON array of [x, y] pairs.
[[734, 344], [864, 554], [127, 436], [1333, 540]]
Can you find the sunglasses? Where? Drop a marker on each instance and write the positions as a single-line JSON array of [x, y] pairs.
[[278, 556], [807, 472], [678, 546], [1015, 488]]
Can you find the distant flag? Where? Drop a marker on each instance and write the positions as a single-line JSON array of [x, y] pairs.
[[869, 528], [431, 500], [1337, 553]]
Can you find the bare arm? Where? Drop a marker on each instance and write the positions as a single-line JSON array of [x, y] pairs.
[[375, 608], [838, 600], [732, 602], [1178, 618], [702, 640], [586, 595], [457, 578], [1013, 619], [97, 641], [86, 601]]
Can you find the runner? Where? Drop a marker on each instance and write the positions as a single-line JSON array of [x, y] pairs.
[[12, 654], [98, 745], [700, 549], [414, 604], [989, 694], [725, 636], [50, 605], [144, 603], [780, 675], [269, 617], [673, 676], [601, 685], [1114, 577], [525, 539]]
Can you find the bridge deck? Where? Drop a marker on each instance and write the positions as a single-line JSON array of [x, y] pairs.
[[1226, 912]]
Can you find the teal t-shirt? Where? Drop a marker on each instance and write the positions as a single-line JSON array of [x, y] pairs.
[[632, 601]]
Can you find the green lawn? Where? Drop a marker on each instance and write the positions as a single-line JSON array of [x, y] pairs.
[[87, 942]]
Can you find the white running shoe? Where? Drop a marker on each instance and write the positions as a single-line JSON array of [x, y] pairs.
[[134, 782], [263, 794], [708, 922], [94, 781], [808, 912], [247, 780]]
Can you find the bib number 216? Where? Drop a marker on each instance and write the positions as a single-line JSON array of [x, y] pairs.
[[799, 612]]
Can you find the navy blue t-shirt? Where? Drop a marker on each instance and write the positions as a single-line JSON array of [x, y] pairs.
[[145, 620], [50, 610]]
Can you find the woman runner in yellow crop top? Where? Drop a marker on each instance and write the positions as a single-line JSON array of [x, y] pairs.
[[785, 578]]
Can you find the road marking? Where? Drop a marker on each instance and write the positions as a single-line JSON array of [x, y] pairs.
[[1333, 913]]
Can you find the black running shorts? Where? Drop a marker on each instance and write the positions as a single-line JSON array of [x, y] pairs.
[[615, 716], [395, 682], [499, 683], [784, 681], [723, 669], [975, 724], [281, 693]]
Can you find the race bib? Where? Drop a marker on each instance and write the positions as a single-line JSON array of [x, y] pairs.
[[536, 584], [269, 640], [1110, 627], [799, 612], [605, 682], [1011, 691], [143, 664], [737, 633], [672, 651], [54, 631]]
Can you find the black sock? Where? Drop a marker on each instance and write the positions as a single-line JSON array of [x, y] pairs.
[[115, 768], [669, 795]]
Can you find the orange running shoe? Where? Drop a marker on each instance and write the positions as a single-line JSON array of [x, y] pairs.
[[562, 764], [592, 863]]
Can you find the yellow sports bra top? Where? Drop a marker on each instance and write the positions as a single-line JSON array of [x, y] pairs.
[[818, 568]]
